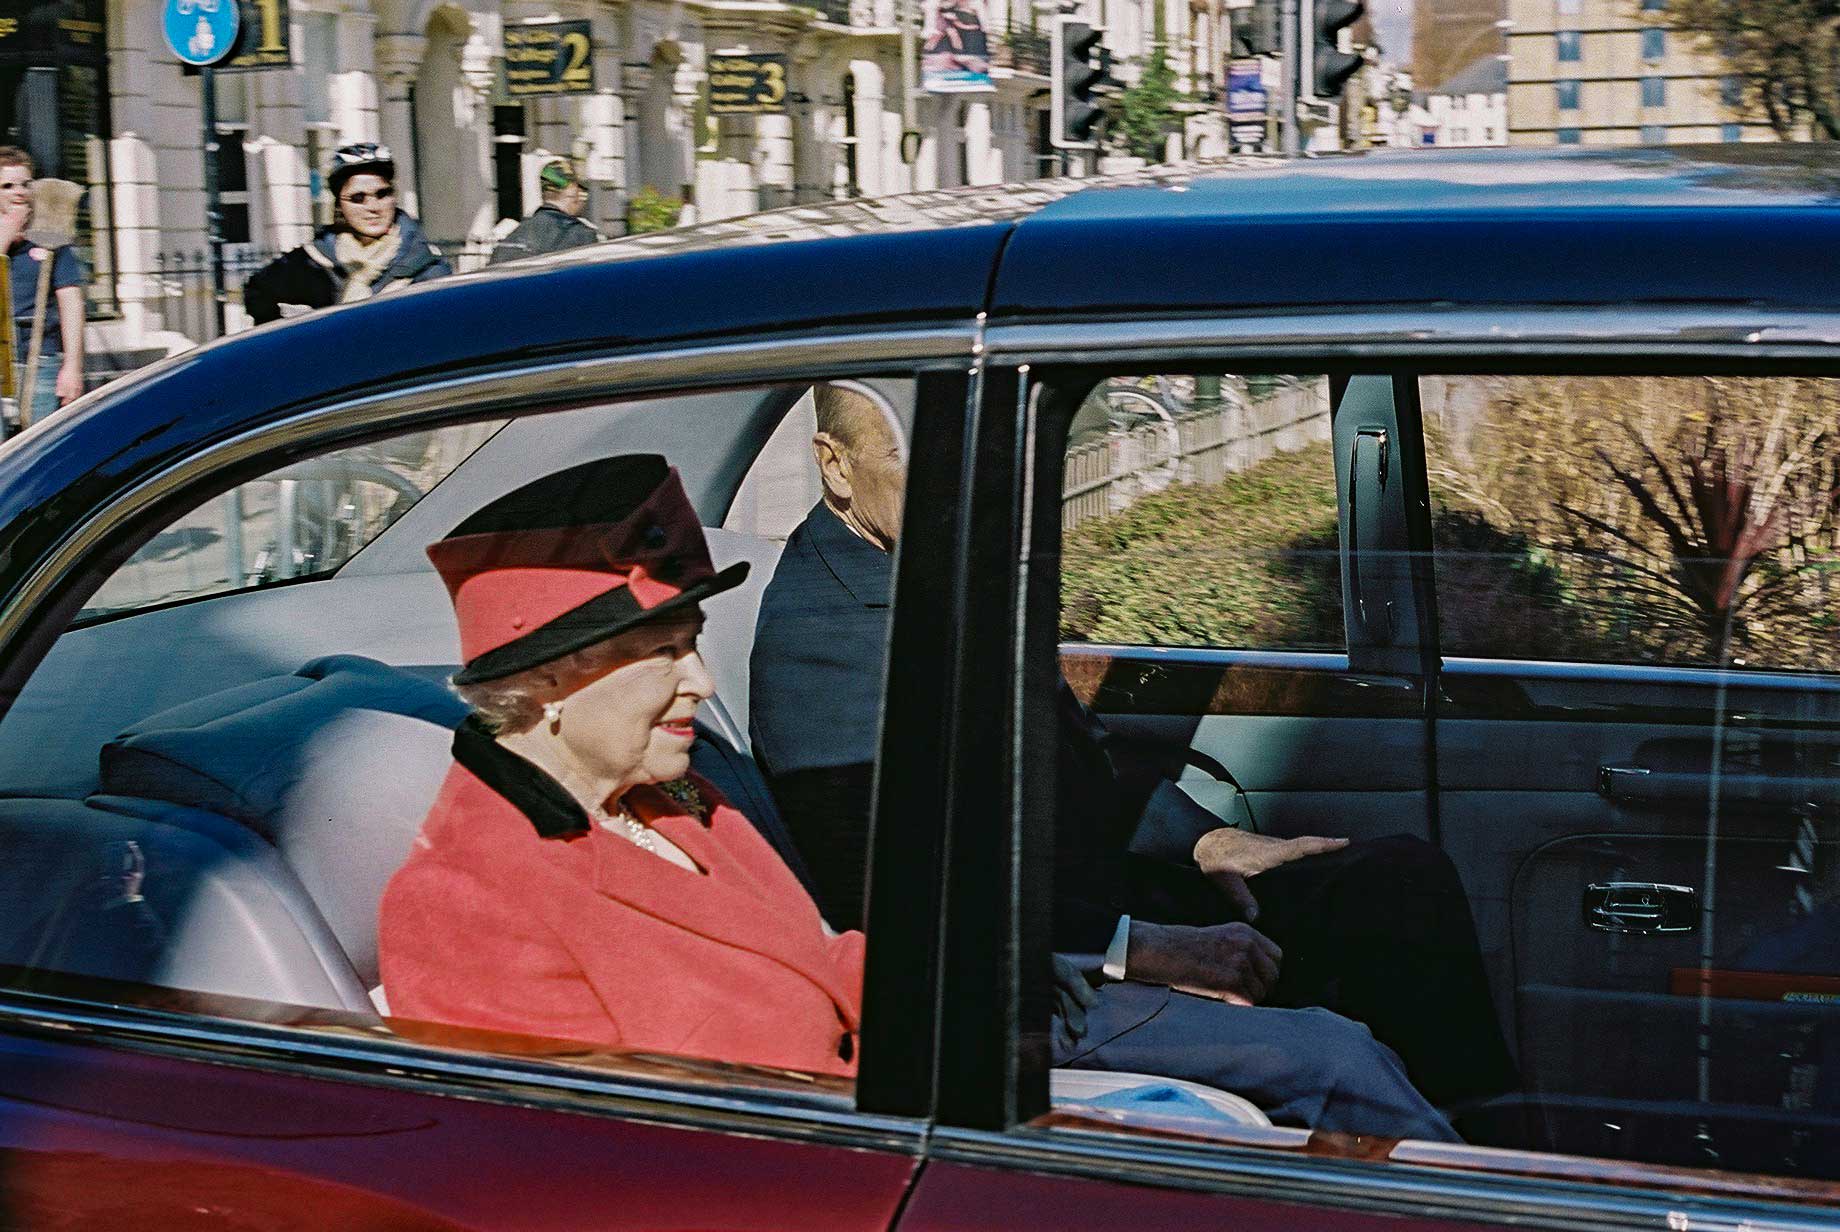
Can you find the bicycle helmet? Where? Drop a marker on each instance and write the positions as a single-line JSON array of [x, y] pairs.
[[360, 156]]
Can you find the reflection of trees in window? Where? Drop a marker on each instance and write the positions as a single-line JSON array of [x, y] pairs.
[[1651, 520]]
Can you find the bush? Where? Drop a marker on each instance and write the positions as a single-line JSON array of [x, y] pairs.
[[651, 210]]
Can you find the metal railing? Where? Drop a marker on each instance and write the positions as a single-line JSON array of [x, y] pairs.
[[182, 283], [1174, 444]]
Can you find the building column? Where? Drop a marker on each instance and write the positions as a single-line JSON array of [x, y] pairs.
[[983, 165], [870, 140], [398, 57], [352, 91]]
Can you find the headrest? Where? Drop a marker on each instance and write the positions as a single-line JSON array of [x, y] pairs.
[[239, 752]]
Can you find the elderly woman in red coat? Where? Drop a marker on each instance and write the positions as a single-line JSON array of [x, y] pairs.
[[573, 878]]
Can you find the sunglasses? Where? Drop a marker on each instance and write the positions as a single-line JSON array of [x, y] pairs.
[[360, 198]]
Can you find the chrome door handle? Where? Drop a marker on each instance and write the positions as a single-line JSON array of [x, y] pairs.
[[1640, 907]]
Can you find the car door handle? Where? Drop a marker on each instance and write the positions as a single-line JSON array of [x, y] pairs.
[[1640, 907], [1639, 784], [1367, 476]]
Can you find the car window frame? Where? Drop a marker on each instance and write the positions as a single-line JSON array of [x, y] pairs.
[[51, 588], [994, 1129]]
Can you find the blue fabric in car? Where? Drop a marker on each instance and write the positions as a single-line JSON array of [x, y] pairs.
[[236, 752]]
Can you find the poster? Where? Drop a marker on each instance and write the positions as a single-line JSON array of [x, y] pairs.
[[551, 57], [1247, 102], [955, 58]]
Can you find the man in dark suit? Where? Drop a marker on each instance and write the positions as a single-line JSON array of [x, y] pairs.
[[1378, 931]]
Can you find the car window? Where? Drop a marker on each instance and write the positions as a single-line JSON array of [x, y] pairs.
[[1200, 511], [299, 521], [361, 800], [1565, 888], [1662, 520]]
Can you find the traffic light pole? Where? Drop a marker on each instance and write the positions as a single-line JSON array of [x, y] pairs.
[[1290, 34]]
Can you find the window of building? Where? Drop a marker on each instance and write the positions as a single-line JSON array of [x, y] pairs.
[[1654, 91], [1566, 94], [1653, 6], [1654, 44], [1569, 136], [1569, 46], [1731, 132], [508, 142], [1568, 8], [1654, 134], [1731, 90]]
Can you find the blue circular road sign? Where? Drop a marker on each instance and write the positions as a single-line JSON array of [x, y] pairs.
[[201, 32]]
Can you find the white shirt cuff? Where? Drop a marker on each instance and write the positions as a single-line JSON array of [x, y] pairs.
[[1120, 947]]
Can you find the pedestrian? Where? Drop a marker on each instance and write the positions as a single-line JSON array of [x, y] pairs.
[[60, 364], [371, 246], [557, 223]]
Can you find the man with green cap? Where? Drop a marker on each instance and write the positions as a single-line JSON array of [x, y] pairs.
[[557, 223]]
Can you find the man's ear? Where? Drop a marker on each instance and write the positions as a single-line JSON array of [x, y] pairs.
[[833, 467]]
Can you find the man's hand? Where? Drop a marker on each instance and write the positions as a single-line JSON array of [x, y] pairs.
[[1073, 996], [1227, 852], [69, 382], [1228, 962]]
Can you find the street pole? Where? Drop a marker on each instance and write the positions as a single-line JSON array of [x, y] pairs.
[[213, 212], [1290, 45]]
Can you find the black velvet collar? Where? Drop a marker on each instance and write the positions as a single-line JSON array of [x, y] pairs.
[[523, 784]]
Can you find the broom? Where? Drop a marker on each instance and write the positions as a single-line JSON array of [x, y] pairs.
[[54, 224]]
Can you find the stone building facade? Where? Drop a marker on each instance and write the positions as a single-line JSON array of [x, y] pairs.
[[90, 86], [1611, 72]]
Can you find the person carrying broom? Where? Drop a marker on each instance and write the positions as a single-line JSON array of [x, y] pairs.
[[49, 309]]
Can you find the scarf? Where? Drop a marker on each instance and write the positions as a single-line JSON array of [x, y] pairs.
[[365, 264]]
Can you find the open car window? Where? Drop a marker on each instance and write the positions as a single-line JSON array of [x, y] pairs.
[[260, 816]]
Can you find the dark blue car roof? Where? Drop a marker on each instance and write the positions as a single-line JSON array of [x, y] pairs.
[[1746, 224]]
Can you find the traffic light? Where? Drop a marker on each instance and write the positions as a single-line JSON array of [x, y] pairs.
[[1331, 67], [1079, 64], [1256, 31]]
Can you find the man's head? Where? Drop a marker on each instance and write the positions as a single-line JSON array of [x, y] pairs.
[[862, 460], [16, 171], [562, 188]]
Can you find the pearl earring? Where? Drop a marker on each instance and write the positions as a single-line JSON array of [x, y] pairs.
[[552, 714]]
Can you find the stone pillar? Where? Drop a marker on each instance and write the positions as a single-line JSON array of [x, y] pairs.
[[398, 57], [983, 162], [353, 92], [871, 141]]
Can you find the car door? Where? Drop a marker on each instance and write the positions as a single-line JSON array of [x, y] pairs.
[[188, 1028], [1637, 745]]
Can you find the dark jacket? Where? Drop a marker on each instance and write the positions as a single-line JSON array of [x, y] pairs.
[[814, 713], [548, 230], [311, 277]]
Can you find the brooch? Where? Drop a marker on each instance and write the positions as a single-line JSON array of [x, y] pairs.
[[685, 796]]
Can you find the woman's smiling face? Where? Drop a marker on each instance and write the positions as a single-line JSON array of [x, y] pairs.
[[631, 722]]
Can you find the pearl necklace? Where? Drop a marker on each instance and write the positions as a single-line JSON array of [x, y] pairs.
[[639, 832]]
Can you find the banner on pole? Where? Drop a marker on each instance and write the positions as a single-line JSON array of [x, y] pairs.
[[1248, 103], [955, 59]]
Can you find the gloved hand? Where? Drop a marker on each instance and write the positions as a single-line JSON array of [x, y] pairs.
[[1073, 995]]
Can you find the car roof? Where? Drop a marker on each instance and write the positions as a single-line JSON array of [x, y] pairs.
[[1741, 224]]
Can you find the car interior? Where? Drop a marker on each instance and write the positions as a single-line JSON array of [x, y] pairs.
[[210, 793]]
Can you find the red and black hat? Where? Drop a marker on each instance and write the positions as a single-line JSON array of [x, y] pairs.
[[572, 559]]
